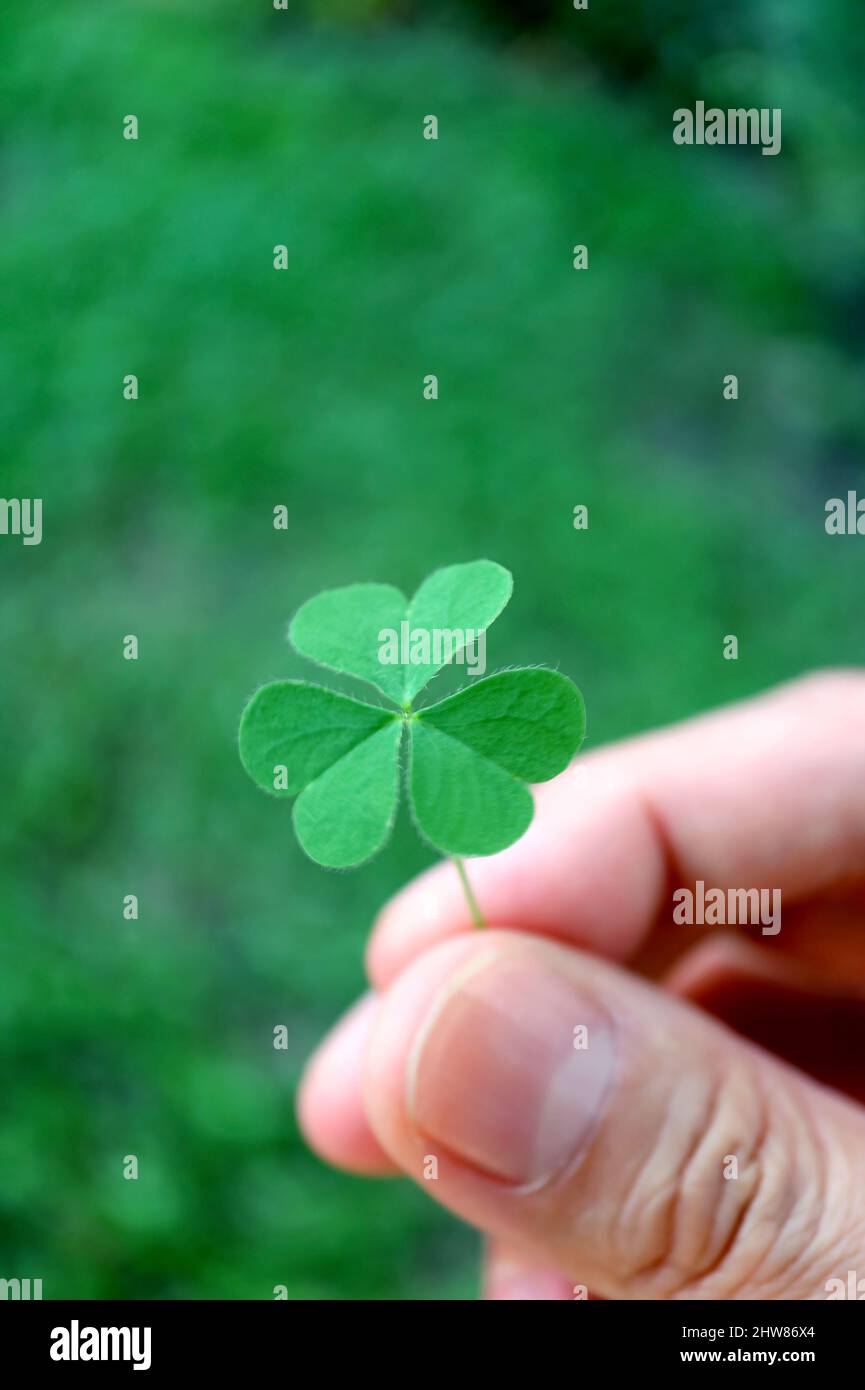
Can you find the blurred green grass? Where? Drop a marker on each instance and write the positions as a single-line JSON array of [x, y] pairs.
[[304, 388]]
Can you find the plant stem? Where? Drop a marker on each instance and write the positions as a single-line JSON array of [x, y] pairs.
[[477, 915]]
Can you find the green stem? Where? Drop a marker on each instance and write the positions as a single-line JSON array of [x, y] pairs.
[[477, 915]]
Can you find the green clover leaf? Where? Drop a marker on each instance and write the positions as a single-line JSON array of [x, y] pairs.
[[469, 756], [340, 628]]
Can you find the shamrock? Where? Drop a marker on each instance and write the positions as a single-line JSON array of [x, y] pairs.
[[468, 757]]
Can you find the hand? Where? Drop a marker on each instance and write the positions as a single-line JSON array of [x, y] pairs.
[[671, 1157]]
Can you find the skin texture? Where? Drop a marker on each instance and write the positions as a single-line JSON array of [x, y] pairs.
[[604, 1167]]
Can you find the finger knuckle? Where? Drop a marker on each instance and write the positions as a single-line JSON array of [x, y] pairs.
[[723, 1201]]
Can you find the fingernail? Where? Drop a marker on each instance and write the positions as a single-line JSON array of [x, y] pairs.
[[511, 1068]]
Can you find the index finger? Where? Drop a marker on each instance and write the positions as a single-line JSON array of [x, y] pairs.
[[767, 793]]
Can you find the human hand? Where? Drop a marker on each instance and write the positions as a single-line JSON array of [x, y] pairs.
[[609, 1166]]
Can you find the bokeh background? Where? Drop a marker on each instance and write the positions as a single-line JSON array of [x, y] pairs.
[[303, 388]]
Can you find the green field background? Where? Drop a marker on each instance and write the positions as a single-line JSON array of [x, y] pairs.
[[303, 388]]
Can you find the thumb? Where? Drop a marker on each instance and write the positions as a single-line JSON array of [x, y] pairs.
[[611, 1131]]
